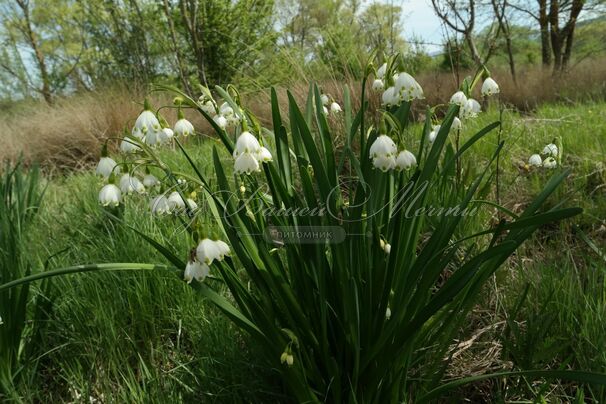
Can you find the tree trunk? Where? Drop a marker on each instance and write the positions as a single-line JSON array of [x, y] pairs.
[[577, 7], [192, 29], [45, 90], [554, 32], [544, 29], [173, 36]]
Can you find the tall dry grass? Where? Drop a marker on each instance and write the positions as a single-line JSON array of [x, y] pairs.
[[68, 134]]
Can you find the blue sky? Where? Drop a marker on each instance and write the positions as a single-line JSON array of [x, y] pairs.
[[420, 21]]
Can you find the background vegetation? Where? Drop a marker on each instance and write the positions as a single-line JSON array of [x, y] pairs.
[[69, 72]]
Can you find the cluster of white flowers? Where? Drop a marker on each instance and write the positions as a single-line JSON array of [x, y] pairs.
[[456, 125], [148, 130], [550, 152], [403, 87], [335, 108], [223, 116], [248, 153], [470, 108], [206, 252], [385, 156]]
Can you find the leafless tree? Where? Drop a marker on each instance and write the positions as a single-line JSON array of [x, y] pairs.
[[500, 8]]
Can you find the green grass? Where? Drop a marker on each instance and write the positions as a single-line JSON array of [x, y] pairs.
[[141, 337]]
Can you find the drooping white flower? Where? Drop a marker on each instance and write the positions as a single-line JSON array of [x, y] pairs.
[[176, 202], [150, 181], [264, 155], [456, 124], [405, 160], [154, 137], [209, 250], [246, 163], [550, 162], [128, 146], [382, 70], [551, 150], [221, 121], [434, 133], [247, 143], [388, 313], [110, 195], [146, 122], [390, 97], [233, 120], [191, 204], [165, 135], [458, 98], [225, 109], [106, 167], [378, 85], [195, 270], [490, 87], [383, 146], [335, 108], [208, 107], [160, 206], [535, 160], [324, 99], [384, 162], [130, 185], [385, 246], [223, 249], [325, 110], [183, 127], [470, 109], [408, 88]]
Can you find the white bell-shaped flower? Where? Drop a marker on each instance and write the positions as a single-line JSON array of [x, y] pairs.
[[335, 108], [551, 150], [434, 133], [195, 270], [221, 121], [223, 249], [550, 162], [324, 99], [535, 160], [456, 124], [150, 181], [382, 70], [208, 107], [110, 195], [160, 206], [209, 250], [130, 185], [459, 98], [246, 163], [192, 205], [383, 146], [165, 135], [175, 202], [146, 122], [264, 155], [378, 85], [490, 87], [405, 160], [183, 127], [390, 97], [384, 162], [226, 110], [128, 146], [408, 88], [246, 143], [106, 167], [471, 109], [154, 137]]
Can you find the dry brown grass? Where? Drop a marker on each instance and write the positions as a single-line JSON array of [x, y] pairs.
[[69, 133]]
